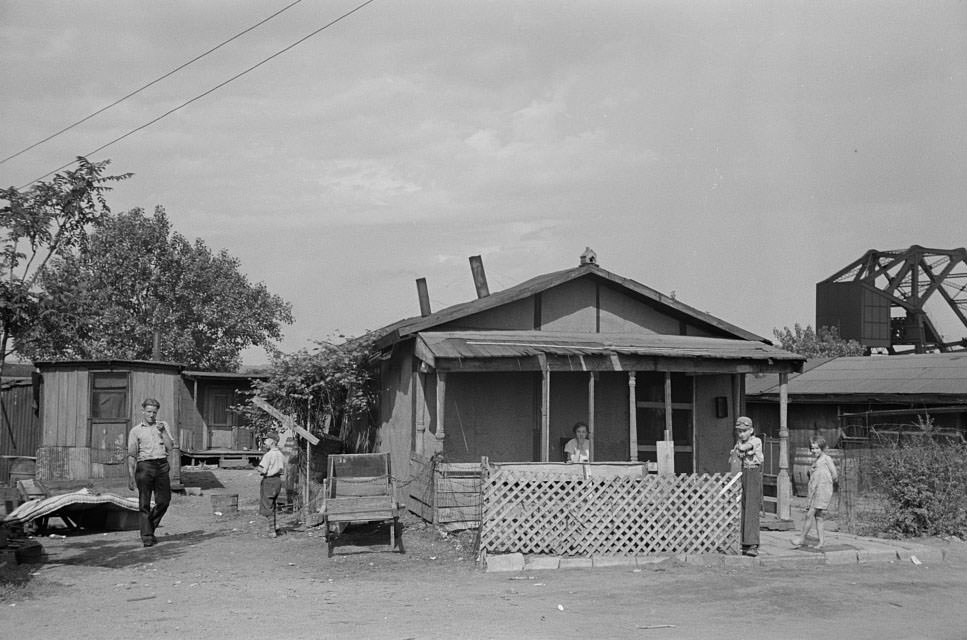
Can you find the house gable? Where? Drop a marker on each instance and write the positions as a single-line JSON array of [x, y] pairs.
[[588, 304]]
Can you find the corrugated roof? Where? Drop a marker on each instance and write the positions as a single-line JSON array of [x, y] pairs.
[[406, 327], [516, 344], [924, 374]]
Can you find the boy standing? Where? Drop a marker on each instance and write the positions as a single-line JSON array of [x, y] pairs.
[[748, 452], [271, 468]]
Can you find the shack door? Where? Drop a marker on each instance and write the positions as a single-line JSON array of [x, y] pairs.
[[223, 427], [109, 416]]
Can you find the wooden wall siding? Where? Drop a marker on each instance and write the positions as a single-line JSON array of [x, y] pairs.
[[396, 409], [513, 316], [610, 417], [157, 385], [494, 414], [571, 306], [63, 463], [66, 408], [20, 432], [622, 314], [191, 423], [713, 436]]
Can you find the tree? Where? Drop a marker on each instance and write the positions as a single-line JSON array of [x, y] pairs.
[[333, 385], [133, 277], [826, 344], [37, 225]]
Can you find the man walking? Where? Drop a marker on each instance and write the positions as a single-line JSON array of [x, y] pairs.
[[149, 444]]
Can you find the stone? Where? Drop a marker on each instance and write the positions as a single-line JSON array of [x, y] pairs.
[[613, 561], [864, 556], [575, 563], [505, 562], [540, 562]]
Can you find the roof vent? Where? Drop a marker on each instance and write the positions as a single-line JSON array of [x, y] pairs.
[[589, 256]]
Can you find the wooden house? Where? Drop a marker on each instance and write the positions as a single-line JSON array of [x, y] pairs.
[[88, 407], [508, 375], [851, 395]]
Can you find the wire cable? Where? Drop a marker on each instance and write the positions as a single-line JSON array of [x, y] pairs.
[[205, 93], [152, 83]]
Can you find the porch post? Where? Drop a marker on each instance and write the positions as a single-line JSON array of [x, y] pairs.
[[592, 377], [419, 409], [441, 396], [545, 410], [783, 486], [632, 417], [665, 449], [668, 406]]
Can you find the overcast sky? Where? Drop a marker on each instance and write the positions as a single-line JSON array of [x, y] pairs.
[[732, 152]]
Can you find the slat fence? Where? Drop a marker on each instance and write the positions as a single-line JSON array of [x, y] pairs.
[[551, 509]]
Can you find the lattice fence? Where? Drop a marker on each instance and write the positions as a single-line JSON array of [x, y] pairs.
[[539, 511]]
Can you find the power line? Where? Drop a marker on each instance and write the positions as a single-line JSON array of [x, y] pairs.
[[212, 90], [152, 83]]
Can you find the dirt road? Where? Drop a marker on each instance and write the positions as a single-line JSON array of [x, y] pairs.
[[218, 578]]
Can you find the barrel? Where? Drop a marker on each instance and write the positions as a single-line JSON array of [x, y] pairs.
[[224, 504], [23, 468]]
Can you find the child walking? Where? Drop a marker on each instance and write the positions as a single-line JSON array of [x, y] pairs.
[[747, 452], [822, 475], [271, 468]]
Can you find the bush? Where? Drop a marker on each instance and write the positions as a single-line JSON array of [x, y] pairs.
[[924, 486]]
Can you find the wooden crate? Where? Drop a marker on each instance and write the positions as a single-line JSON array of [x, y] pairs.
[[444, 493]]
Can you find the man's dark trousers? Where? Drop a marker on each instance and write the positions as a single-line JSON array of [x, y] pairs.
[[151, 476]]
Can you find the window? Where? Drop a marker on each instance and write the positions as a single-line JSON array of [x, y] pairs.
[[650, 394], [109, 396]]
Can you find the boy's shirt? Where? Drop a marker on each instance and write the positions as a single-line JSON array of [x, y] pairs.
[[272, 463], [752, 457]]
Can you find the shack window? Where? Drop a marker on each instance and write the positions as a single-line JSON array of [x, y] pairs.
[[109, 396]]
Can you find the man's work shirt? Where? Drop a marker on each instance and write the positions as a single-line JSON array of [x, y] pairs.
[[272, 464], [149, 442]]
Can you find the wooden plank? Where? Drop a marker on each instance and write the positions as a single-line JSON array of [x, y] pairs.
[[285, 419], [633, 415], [360, 486], [665, 451], [467, 514]]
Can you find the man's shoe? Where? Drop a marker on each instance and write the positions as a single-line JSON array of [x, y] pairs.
[[149, 542]]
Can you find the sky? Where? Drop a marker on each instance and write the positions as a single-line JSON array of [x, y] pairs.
[[734, 153]]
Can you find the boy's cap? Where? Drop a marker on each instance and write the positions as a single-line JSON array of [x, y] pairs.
[[743, 423]]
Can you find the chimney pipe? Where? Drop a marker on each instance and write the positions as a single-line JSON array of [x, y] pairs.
[[424, 295], [479, 277], [156, 345]]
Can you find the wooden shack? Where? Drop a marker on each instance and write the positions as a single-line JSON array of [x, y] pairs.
[[507, 375], [89, 406]]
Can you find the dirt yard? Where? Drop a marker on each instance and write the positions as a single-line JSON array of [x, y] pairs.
[[220, 577]]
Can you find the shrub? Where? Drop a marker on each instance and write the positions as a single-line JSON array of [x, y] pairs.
[[924, 486]]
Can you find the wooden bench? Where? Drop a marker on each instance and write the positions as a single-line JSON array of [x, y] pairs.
[[360, 488]]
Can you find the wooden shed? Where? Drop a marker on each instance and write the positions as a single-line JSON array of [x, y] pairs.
[[89, 406], [507, 375]]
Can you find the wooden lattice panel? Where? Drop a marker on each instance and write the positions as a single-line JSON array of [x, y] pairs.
[[534, 511]]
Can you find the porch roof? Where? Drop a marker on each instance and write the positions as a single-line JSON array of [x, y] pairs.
[[534, 350]]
